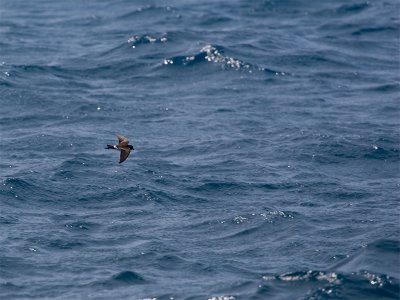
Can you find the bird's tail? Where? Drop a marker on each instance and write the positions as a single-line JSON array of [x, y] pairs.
[[110, 147]]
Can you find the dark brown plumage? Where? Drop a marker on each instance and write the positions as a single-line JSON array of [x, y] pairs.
[[123, 146]]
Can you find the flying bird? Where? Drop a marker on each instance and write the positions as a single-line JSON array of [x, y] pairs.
[[123, 147]]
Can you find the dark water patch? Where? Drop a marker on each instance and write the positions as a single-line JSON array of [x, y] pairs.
[[6, 83], [319, 60], [224, 110], [220, 186], [11, 288], [27, 192], [353, 8], [15, 183], [243, 233], [342, 150], [109, 195], [211, 20], [61, 244], [120, 280], [392, 246], [53, 73], [377, 30], [342, 11], [75, 167], [115, 64], [343, 193], [128, 277], [278, 186], [8, 220], [385, 88], [11, 267]]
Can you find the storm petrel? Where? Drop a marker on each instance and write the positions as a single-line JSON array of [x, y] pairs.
[[123, 147]]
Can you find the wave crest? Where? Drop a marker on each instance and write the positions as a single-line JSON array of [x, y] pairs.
[[145, 39], [215, 54]]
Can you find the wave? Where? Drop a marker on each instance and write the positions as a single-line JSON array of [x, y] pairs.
[[376, 30], [386, 87], [215, 54], [121, 279], [25, 191], [153, 10], [342, 10], [136, 40], [127, 277], [116, 62], [353, 8], [332, 285], [378, 257]]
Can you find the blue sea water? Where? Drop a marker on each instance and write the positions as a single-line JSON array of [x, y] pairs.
[[267, 149]]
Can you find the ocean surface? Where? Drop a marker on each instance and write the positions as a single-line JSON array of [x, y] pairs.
[[267, 149]]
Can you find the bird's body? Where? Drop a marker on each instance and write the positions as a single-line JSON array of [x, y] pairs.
[[112, 147], [123, 146]]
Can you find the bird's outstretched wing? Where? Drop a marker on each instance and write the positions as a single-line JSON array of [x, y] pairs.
[[125, 151], [123, 141]]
